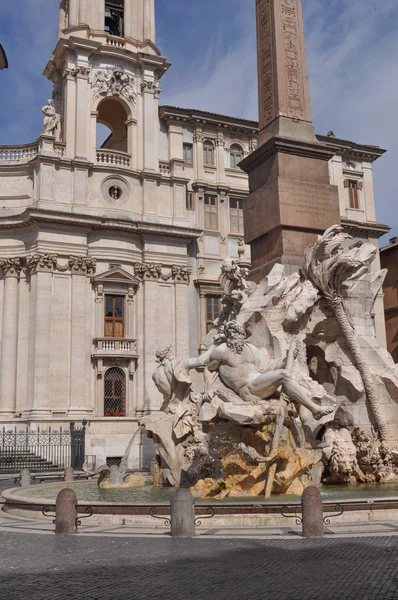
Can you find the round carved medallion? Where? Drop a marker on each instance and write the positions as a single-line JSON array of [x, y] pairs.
[[116, 191]]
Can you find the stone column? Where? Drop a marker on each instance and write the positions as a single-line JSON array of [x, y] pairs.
[[73, 12], [149, 20], [62, 18], [151, 343], [129, 19], [9, 346], [70, 112], [220, 145], [82, 150], [198, 139], [202, 317], [41, 274], [80, 396], [132, 145], [151, 160], [182, 320], [83, 12]]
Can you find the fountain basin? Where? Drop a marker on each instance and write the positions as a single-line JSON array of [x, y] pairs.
[[150, 507]]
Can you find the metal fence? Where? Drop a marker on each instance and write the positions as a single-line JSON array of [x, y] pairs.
[[42, 451]]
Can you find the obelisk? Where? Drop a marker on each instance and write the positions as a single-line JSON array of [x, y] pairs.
[[291, 200]]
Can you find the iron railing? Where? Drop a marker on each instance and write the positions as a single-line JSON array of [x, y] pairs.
[[42, 451]]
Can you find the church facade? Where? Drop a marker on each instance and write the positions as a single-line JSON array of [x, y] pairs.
[[110, 250]]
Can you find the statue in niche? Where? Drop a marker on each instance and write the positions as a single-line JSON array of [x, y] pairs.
[[51, 119]]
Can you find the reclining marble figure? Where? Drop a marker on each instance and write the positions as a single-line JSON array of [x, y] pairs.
[[239, 365]]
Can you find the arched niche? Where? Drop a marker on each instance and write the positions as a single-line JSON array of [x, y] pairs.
[[113, 113]]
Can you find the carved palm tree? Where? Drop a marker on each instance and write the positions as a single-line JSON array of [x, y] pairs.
[[329, 266]]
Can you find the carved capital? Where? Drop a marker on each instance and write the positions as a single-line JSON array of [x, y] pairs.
[[41, 262], [82, 265], [198, 136], [83, 72], [11, 267], [147, 270], [155, 272], [151, 87]]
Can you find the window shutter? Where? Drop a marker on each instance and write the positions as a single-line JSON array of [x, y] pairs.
[[360, 185], [346, 183]]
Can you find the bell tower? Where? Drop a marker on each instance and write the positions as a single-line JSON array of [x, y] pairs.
[[134, 19], [106, 69]]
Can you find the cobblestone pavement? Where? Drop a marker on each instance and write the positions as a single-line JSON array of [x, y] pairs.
[[44, 567]]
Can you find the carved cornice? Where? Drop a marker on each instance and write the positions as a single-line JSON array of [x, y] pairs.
[[48, 263], [155, 272], [11, 267]]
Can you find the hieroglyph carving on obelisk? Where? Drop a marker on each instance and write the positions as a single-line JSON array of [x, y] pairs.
[[282, 64]]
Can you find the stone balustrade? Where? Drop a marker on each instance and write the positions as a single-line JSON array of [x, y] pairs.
[[115, 41], [18, 154], [113, 158], [114, 346], [164, 168]]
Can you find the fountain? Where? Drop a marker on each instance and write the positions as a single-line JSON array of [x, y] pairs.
[[295, 387], [294, 392]]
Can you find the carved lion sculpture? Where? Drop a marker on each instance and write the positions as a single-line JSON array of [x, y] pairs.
[[342, 458]]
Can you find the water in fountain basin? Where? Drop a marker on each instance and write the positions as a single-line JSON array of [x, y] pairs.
[[89, 492]]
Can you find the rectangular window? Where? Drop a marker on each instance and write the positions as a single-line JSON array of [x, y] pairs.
[[114, 316], [188, 155], [208, 154], [213, 310], [353, 187], [211, 212], [190, 201], [236, 215]]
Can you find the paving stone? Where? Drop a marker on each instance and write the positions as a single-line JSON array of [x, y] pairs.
[[59, 568]]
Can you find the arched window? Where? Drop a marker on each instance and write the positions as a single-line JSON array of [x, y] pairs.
[[236, 155], [208, 154], [115, 393], [112, 117]]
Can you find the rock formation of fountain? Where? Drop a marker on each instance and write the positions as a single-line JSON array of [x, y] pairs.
[[296, 389]]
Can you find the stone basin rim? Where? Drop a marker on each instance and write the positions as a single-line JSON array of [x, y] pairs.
[[15, 496]]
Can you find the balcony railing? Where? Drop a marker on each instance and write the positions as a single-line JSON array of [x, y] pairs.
[[113, 158], [164, 168], [115, 346], [18, 154]]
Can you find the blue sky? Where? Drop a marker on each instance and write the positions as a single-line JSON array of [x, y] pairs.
[[352, 56]]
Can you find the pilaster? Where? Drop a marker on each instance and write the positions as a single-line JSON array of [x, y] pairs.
[[8, 368], [80, 355], [220, 145], [198, 139], [150, 90]]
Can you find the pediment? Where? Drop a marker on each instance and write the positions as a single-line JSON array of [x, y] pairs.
[[116, 275]]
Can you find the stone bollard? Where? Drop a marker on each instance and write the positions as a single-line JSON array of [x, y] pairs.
[[69, 474], [182, 510], [312, 511], [66, 513], [25, 479]]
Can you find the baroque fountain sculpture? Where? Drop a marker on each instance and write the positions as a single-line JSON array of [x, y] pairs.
[[295, 386]]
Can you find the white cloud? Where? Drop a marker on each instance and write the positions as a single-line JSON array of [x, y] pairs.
[[352, 55]]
